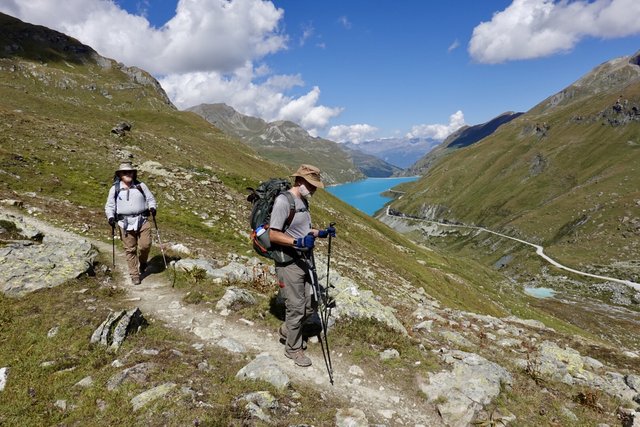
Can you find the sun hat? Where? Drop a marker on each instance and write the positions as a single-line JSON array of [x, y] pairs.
[[311, 174], [126, 166]]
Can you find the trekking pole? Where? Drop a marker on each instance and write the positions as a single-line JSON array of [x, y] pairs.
[[331, 224], [160, 242], [326, 314], [324, 343], [113, 244]]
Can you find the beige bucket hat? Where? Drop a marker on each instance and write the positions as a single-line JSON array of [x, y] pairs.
[[126, 166], [311, 174]]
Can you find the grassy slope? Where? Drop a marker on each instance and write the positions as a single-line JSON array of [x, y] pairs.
[[591, 171], [283, 142]]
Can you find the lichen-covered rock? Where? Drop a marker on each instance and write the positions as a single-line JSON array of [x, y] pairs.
[[137, 373], [41, 261], [460, 393], [390, 353], [354, 303], [234, 296], [456, 338], [131, 322], [556, 362], [258, 403], [264, 367], [232, 272], [150, 395], [117, 326]]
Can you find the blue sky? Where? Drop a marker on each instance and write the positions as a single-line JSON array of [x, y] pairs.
[[354, 69]]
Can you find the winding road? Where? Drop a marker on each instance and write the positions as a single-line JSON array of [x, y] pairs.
[[539, 250]]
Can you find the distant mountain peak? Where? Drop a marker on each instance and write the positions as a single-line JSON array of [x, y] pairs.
[[608, 77]]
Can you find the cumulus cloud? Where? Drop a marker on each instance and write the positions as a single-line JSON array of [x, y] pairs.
[[536, 28], [207, 53], [352, 133], [438, 131], [203, 34], [238, 90]]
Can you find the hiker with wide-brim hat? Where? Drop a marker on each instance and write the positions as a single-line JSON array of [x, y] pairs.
[[129, 205], [294, 276]]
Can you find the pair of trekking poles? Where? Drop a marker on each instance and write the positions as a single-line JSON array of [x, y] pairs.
[[113, 242], [324, 300]]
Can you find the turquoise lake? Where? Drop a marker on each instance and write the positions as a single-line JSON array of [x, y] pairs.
[[365, 195]]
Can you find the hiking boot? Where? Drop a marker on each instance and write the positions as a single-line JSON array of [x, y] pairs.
[[136, 280], [298, 357]]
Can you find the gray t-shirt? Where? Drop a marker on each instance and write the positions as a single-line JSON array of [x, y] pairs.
[[300, 225]]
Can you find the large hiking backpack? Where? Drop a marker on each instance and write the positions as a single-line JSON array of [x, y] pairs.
[[262, 199]]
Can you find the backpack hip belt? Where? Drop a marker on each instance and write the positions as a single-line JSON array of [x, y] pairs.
[[145, 213]]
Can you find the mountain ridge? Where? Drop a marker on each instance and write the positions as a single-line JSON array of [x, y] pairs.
[[400, 152], [271, 139], [463, 137]]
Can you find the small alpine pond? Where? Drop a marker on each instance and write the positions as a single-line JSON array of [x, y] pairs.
[[539, 292]]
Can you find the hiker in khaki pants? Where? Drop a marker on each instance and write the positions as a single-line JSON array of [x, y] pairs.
[[294, 276], [130, 202]]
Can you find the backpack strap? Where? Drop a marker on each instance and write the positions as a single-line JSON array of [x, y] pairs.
[[292, 209], [136, 185]]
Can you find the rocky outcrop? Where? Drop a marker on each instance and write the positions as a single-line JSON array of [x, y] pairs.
[[113, 331], [234, 297], [355, 303], [41, 261], [138, 374], [234, 271], [258, 404], [460, 393], [568, 366]]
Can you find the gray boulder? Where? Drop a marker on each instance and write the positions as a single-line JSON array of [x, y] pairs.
[[460, 393], [355, 303], [121, 129], [42, 261], [258, 404], [137, 373], [232, 272], [148, 396], [117, 326], [264, 367], [234, 296]]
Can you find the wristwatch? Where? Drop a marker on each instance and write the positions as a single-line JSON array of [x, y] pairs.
[[294, 242]]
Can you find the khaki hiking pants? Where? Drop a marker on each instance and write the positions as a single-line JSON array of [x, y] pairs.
[[298, 297], [134, 241]]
